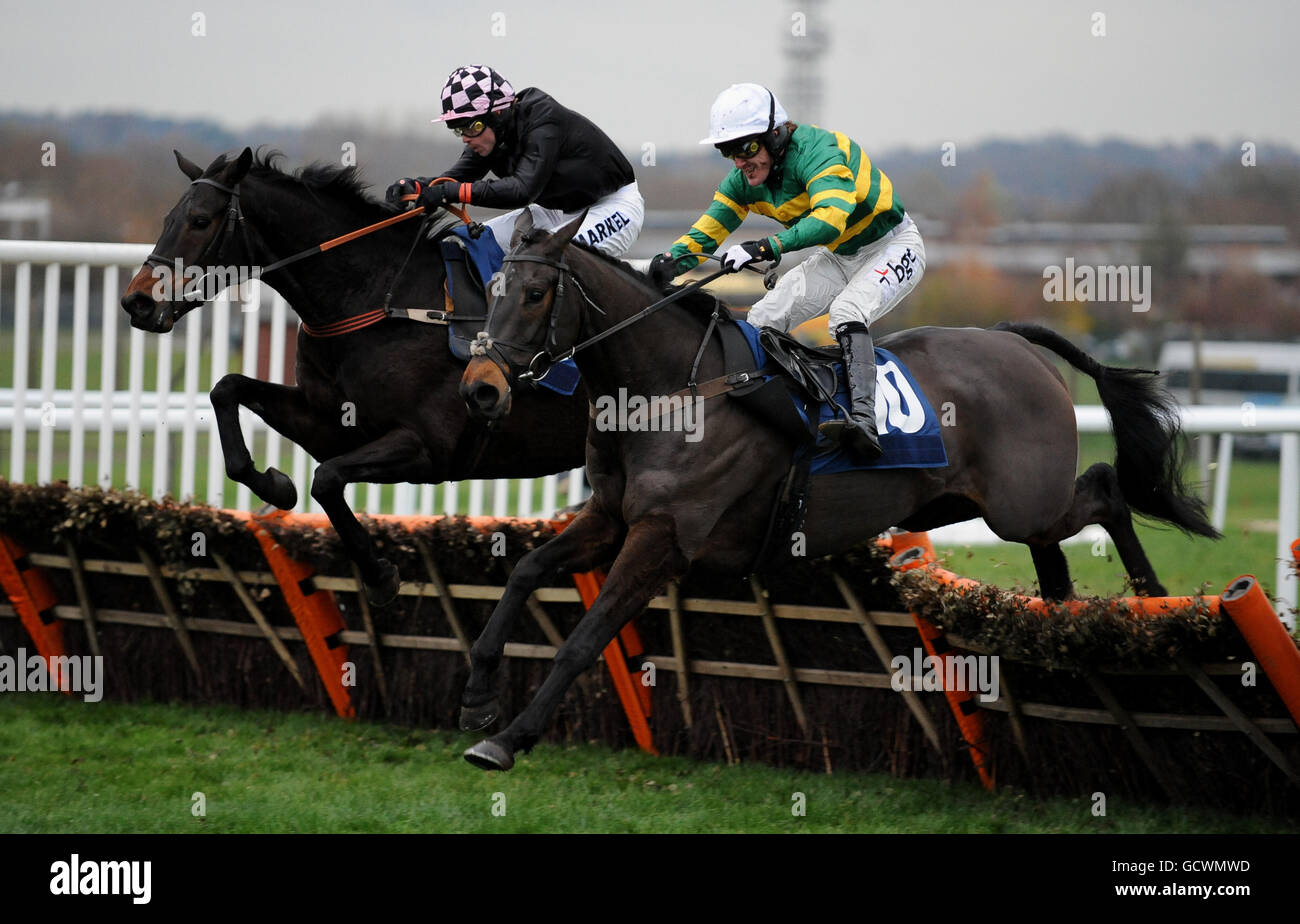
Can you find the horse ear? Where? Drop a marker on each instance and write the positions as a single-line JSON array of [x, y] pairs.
[[561, 237], [188, 167], [239, 168], [523, 224]]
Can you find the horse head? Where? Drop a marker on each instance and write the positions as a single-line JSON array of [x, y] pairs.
[[197, 237], [533, 320]]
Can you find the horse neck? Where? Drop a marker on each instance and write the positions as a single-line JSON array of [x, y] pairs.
[[323, 288], [652, 356]]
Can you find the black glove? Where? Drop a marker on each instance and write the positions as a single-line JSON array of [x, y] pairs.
[[663, 269], [406, 186], [759, 250], [438, 195]]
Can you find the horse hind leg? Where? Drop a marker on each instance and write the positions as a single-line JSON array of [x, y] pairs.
[[1098, 499]]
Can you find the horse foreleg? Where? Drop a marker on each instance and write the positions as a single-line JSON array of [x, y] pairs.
[[1099, 499], [648, 560], [590, 541], [397, 456], [1053, 571], [285, 410]]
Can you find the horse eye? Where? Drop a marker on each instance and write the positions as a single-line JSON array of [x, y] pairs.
[[536, 295], [200, 222]]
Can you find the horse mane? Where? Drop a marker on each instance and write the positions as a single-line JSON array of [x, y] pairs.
[[317, 177], [698, 302]]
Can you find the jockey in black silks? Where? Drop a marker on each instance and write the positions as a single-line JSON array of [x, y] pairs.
[[541, 154]]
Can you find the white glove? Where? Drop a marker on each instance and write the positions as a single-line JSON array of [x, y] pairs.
[[737, 257]]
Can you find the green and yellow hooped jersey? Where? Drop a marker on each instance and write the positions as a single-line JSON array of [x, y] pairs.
[[829, 193]]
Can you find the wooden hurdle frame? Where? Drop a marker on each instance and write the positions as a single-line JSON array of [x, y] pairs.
[[319, 624]]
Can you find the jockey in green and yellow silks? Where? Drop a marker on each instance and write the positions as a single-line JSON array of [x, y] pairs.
[[828, 194]]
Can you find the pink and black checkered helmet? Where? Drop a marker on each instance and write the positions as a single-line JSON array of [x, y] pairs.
[[472, 91]]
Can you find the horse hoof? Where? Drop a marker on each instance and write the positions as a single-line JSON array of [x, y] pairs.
[[488, 755], [384, 591], [474, 718], [281, 490]]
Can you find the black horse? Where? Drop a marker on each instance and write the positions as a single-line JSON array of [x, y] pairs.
[[661, 503], [405, 421]]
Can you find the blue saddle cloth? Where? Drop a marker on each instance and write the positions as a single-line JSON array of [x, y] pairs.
[[907, 426], [484, 255]]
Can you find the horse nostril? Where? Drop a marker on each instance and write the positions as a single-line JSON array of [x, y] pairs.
[[486, 396], [481, 396], [137, 304]]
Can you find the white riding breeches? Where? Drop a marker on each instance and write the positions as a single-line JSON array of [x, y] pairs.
[[863, 287], [612, 224]]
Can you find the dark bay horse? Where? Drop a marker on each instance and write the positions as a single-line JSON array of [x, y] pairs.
[[379, 404], [661, 502]]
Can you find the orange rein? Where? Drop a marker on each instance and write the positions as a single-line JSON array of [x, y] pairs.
[[357, 322], [419, 210]]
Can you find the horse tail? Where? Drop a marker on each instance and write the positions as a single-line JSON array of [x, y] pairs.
[[1148, 433]]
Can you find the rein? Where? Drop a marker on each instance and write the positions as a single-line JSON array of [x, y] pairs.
[[542, 362], [235, 213], [536, 371]]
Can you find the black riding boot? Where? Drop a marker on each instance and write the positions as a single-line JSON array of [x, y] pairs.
[[858, 433]]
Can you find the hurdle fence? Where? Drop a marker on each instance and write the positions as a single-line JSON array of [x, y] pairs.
[[63, 411]]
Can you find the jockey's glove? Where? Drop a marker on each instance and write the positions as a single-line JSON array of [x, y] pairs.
[[663, 269], [438, 195], [407, 189], [742, 255]]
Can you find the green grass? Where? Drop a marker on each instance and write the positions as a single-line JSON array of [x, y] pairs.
[[73, 767]]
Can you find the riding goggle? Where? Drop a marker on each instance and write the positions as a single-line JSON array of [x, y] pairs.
[[472, 130], [745, 148]]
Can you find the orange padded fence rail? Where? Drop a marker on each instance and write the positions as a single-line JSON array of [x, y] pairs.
[[1243, 601], [626, 646], [314, 610], [1249, 607], [32, 595], [962, 702]]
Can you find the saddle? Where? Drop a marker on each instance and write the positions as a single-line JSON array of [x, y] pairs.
[[811, 369], [466, 296]]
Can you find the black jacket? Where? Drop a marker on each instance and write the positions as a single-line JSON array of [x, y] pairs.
[[546, 154]]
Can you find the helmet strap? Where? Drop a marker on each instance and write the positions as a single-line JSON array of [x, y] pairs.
[[777, 137]]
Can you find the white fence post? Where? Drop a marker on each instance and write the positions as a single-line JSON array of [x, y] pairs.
[[49, 368], [80, 334], [22, 341], [1288, 524], [107, 377]]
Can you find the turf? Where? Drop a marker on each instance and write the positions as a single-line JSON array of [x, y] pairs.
[[72, 767]]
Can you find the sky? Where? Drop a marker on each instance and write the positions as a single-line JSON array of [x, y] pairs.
[[904, 72]]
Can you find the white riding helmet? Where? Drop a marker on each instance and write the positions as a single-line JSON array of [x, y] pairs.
[[741, 110]]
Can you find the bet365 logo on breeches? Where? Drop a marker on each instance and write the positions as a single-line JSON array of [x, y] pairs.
[[900, 271]]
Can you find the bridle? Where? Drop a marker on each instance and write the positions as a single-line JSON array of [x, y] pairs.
[[234, 216], [542, 362]]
